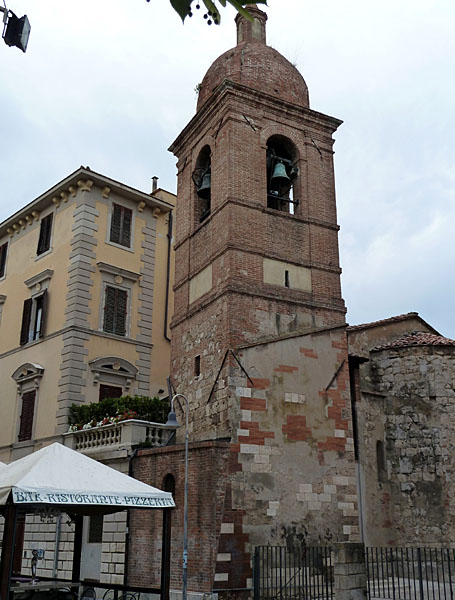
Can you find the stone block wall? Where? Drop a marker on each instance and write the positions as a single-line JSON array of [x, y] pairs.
[[113, 548], [350, 580], [407, 448], [41, 535]]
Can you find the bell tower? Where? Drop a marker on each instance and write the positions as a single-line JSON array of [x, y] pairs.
[[256, 241], [258, 333]]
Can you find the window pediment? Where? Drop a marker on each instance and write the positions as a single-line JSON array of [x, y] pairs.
[[113, 366], [40, 279], [28, 376], [118, 271]]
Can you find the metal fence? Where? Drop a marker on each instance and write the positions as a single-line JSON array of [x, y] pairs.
[[410, 573], [297, 573]]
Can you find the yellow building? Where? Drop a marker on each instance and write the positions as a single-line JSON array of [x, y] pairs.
[[86, 274], [84, 298]]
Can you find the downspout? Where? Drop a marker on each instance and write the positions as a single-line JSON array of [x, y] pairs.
[[168, 274]]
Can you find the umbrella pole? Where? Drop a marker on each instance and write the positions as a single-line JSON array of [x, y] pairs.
[[166, 554], [77, 549], [9, 539]]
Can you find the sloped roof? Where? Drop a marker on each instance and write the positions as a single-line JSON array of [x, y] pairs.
[[418, 338], [390, 320]]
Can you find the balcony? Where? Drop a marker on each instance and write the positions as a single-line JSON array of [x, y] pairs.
[[116, 440]]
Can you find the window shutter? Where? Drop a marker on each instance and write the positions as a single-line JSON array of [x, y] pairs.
[[115, 305], [120, 313], [44, 300], [126, 227], [3, 251], [116, 224], [44, 241], [26, 315], [28, 409], [109, 391], [109, 309]]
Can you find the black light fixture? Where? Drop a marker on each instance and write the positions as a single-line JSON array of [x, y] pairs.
[[16, 31]]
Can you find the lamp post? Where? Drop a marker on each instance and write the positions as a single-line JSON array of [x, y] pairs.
[[172, 420]]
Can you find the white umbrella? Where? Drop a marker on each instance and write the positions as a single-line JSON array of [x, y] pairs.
[[57, 475]]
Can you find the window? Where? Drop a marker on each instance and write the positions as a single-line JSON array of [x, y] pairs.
[[33, 318], [169, 484], [282, 172], [121, 220], [202, 179], [44, 242], [197, 365], [28, 411], [109, 391], [3, 253], [115, 310], [95, 529]]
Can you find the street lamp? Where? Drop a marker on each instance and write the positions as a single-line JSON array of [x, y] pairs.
[[172, 420], [16, 31]]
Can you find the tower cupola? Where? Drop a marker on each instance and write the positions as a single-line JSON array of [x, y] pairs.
[[254, 64]]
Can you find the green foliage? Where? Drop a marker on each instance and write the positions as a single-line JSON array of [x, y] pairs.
[[185, 8], [146, 409]]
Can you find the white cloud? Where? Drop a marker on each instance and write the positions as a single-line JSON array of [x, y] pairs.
[[111, 85]]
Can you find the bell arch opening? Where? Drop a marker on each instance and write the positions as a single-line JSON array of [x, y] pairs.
[[282, 174], [202, 179]]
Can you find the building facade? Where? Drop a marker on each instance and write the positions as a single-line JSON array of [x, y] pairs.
[[86, 274]]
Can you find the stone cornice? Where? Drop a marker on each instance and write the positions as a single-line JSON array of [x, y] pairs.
[[249, 95], [298, 299], [39, 278], [81, 180]]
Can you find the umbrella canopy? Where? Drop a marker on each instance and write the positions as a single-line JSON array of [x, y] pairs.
[[57, 475]]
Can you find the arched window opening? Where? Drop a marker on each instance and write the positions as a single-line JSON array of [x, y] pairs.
[[169, 484], [380, 461], [202, 179], [282, 172]]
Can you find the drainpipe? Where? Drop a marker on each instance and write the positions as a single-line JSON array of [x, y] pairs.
[[168, 273]]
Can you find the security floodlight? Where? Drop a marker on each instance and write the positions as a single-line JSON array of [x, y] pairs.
[[16, 31]]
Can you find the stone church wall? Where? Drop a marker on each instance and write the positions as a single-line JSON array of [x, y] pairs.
[[407, 446]]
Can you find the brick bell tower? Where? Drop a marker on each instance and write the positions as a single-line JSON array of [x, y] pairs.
[[258, 333]]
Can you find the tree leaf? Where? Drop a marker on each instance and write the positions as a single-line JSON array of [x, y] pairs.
[[213, 9], [238, 6], [222, 2], [182, 7]]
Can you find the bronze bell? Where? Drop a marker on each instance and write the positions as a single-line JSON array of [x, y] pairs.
[[203, 191], [279, 177]]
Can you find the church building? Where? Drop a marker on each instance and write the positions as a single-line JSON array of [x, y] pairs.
[[259, 344]]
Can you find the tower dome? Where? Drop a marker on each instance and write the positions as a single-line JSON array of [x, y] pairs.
[[254, 64]]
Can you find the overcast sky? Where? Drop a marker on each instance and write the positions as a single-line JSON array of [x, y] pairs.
[[110, 84]]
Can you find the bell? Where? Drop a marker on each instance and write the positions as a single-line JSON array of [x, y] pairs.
[[279, 177], [203, 191]]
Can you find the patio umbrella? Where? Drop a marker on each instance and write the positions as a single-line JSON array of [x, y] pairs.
[[59, 477]]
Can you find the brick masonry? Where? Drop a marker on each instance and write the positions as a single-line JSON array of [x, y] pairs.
[[286, 411]]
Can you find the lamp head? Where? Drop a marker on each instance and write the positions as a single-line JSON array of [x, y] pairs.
[[172, 420]]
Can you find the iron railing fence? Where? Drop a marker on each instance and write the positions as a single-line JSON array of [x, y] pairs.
[[293, 573], [410, 573]]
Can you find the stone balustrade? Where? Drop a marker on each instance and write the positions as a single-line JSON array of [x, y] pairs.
[[119, 436]]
